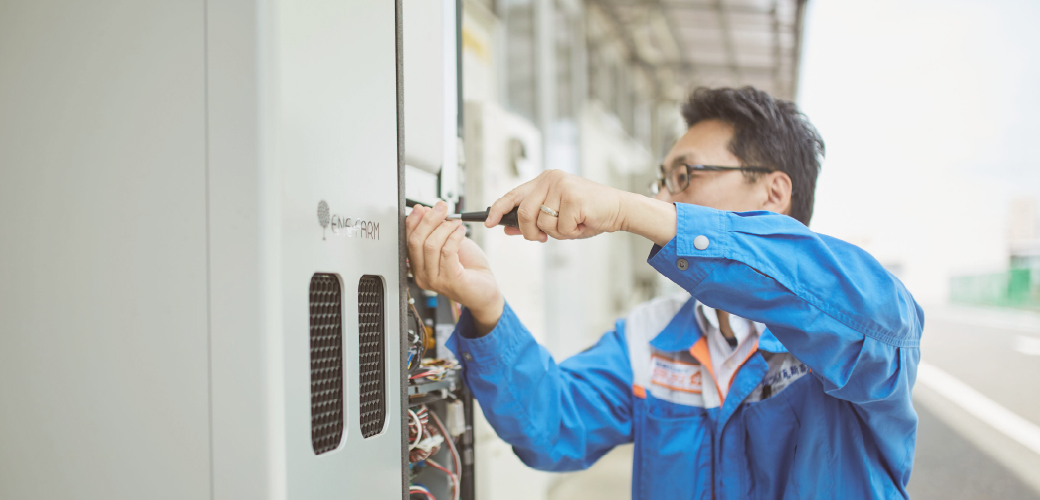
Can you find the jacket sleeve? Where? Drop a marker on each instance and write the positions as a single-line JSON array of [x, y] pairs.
[[557, 417], [831, 304]]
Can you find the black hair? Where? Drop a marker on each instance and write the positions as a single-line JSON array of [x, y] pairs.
[[767, 132]]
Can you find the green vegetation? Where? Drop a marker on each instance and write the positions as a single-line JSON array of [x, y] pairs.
[[1016, 288]]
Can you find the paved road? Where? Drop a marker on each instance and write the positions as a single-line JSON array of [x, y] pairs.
[[995, 352], [949, 467], [962, 456], [959, 456]]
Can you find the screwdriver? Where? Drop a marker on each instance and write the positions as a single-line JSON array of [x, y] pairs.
[[508, 219]]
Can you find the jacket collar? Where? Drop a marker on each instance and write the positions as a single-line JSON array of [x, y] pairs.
[[684, 330]]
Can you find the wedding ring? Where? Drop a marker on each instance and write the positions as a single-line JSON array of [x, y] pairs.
[[549, 211]]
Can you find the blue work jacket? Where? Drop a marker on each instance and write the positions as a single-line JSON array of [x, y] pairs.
[[820, 409]]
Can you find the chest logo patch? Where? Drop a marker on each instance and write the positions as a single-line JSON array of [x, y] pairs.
[[675, 375]]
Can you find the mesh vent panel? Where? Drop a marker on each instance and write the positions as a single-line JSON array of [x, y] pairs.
[[326, 363], [371, 354]]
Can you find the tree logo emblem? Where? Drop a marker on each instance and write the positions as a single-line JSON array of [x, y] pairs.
[[323, 216]]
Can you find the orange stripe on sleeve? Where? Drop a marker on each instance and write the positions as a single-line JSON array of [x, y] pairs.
[[639, 391]]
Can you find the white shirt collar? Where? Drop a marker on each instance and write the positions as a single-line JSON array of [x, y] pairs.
[[741, 327], [726, 359]]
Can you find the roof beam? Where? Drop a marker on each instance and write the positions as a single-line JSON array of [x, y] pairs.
[[797, 63], [673, 30], [620, 32], [776, 49], [727, 40], [719, 68], [781, 72], [679, 5]]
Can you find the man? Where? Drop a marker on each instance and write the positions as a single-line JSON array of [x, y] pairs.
[[786, 371]]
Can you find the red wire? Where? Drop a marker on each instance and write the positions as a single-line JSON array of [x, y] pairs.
[[454, 480], [456, 461], [424, 492]]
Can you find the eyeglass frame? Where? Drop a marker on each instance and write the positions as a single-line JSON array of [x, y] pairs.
[[662, 179]]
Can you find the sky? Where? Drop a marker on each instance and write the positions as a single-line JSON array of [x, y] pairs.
[[930, 110]]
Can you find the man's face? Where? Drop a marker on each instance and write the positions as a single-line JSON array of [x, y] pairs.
[[707, 143]]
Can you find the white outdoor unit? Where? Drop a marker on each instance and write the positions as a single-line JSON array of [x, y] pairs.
[[199, 250]]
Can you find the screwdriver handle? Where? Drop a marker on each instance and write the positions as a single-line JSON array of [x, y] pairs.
[[510, 219]]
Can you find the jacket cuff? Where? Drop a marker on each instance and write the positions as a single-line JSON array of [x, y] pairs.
[[497, 348], [701, 239]]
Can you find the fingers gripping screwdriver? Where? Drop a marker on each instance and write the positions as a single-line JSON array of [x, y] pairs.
[[509, 219]]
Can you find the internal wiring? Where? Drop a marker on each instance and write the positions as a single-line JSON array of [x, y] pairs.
[[418, 427], [424, 441], [423, 491], [457, 462], [435, 369], [454, 479], [418, 338], [420, 330], [427, 440]]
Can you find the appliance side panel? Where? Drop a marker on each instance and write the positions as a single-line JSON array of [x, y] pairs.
[[103, 293], [335, 117], [248, 434]]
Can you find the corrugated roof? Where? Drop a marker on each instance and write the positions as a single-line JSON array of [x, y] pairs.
[[684, 43]]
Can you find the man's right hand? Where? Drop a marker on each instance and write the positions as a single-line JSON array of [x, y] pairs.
[[445, 261]]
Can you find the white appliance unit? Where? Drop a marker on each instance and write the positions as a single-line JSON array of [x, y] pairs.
[[433, 134], [200, 267]]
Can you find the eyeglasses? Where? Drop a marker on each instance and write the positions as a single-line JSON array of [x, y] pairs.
[[678, 178]]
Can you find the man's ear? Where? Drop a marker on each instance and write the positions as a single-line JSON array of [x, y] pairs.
[[777, 187]]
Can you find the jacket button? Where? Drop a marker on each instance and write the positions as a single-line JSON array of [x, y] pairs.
[[468, 356], [701, 242], [683, 265]]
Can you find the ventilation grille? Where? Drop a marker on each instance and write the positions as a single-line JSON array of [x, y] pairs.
[[371, 355], [326, 363]]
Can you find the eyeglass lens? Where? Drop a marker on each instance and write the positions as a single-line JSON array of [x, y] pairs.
[[677, 180], [654, 188]]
